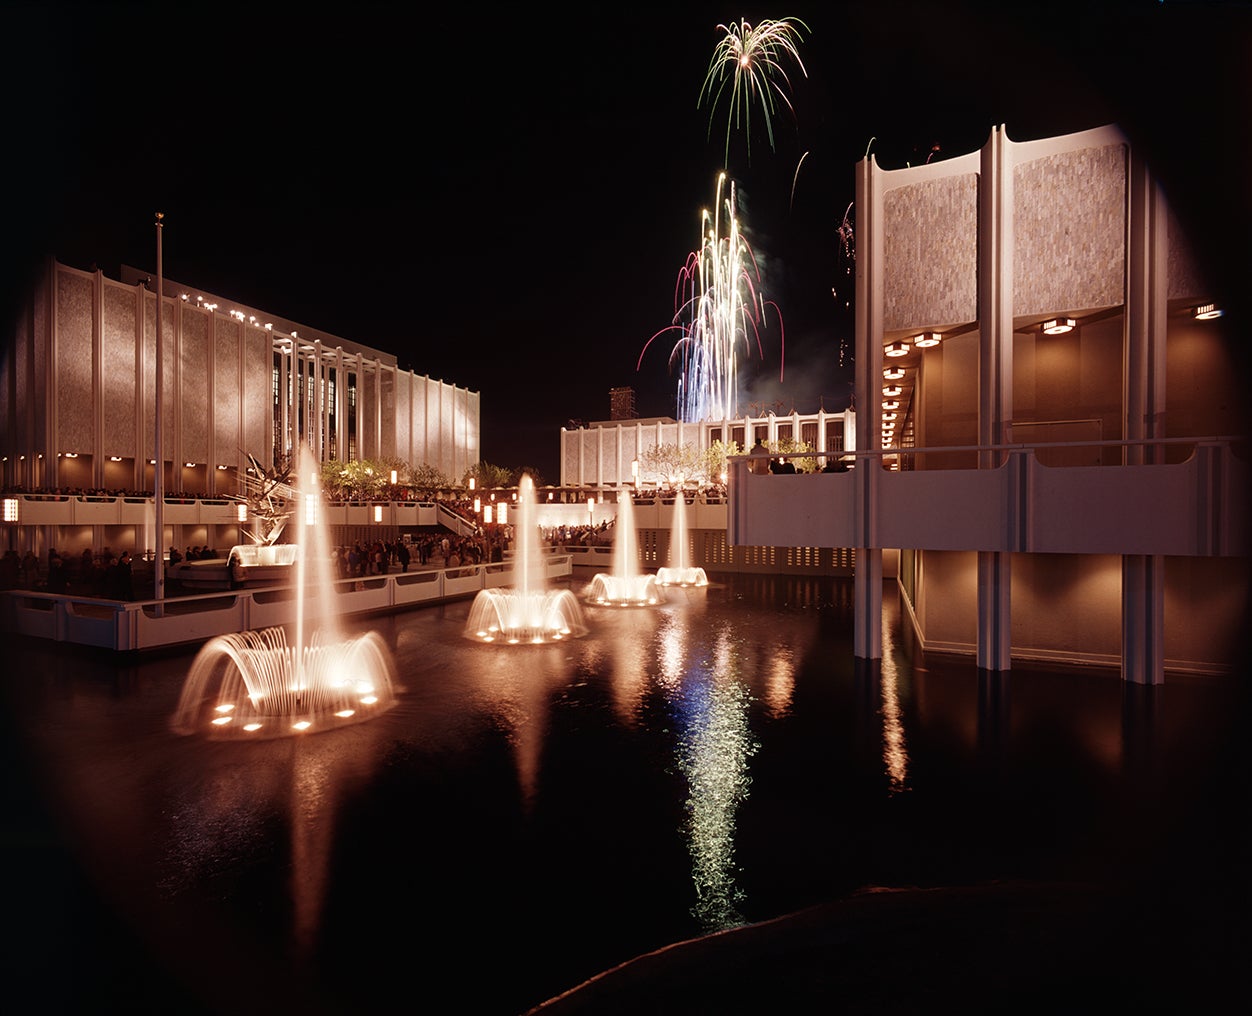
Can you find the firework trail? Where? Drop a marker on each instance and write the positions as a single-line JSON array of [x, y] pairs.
[[749, 62], [718, 309]]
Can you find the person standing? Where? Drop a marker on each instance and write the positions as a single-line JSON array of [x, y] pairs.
[[402, 552]]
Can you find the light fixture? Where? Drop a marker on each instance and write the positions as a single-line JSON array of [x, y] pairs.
[[897, 349], [1058, 326], [927, 339], [1207, 312], [190, 465], [71, 455], [893, 373], [221, 466], [887, 417], [892, 391], [115, 458], [891, 404], [378, 513]]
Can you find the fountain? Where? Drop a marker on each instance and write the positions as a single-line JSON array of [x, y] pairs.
[[679, 571], [256, 684], [527, 613], [627, 586]]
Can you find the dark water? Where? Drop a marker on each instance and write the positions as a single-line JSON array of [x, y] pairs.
[[526, 817]]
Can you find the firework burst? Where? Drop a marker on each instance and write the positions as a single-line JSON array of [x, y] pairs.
[[748, 68], [719, 310]]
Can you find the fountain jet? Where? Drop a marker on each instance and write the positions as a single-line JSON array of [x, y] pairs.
[[679, 572], [528, 613], [256, 684], [627, 585]]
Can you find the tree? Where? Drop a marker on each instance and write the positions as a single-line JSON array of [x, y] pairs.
[[486, 476], [715, 456], [672, 463]]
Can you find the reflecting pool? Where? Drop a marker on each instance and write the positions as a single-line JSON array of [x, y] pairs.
[[525, 817]]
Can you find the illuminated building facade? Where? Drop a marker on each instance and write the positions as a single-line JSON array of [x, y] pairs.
[[1049, 422], [78, 403]]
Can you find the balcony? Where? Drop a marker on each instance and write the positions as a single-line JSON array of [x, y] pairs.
[[1195, 508]]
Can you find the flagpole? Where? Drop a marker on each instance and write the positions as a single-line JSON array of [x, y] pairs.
[[158, 565]]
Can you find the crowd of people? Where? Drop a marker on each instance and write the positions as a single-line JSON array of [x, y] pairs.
[[102, 574]]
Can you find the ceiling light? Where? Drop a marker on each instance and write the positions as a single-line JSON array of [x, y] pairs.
[[888, 416], [891, 404], [1058, 326], [893, 373], [927, 339], [892, 391], [897, 349], [1207, 312]]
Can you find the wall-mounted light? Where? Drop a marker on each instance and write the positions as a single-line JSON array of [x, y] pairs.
[[1058, 326], [897, 349], [927, 339], [893, 373], [1207, 312]]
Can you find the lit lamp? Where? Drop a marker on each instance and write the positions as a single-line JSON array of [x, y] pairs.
[[891, 404], [897, 349], [1207, 312], [378, 513], [892, 391], [502, 513], [310, 509], [472, 487], [394, 477], [927, 339], [1058, 326], [241, 512], [893, 373], [591, 510], [478, 505], [487, 515], [11, 510]]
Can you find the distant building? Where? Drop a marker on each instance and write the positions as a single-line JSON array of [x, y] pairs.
[[78, 400], [622, 404]]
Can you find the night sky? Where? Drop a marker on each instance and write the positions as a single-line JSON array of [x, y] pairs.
[[503, 196]]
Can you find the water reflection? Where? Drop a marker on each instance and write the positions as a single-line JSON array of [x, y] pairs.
[[714, 745], [894, 746], [681, 769]]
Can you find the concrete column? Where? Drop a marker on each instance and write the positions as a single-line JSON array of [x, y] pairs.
[[995, 380], [1143, 403], [867, 620]]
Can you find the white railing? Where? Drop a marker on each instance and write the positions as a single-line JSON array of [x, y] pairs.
[[153, 624], [1195, 508]]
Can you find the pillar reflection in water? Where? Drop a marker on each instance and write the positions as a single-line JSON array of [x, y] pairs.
[[714, 746], [894, 747]]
